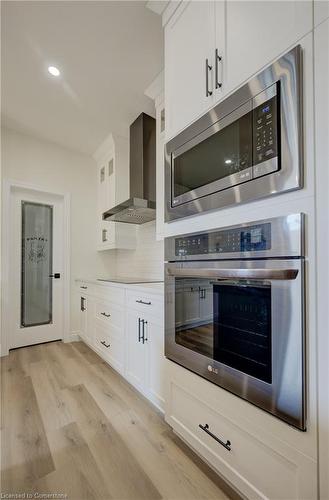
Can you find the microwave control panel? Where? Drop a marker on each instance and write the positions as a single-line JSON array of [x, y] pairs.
[[246, 239], [265, 126]]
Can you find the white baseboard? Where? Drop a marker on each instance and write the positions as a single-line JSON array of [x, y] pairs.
[[73, 337], [3, 352]]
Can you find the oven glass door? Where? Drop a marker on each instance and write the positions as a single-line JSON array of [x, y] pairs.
[[229, 322]]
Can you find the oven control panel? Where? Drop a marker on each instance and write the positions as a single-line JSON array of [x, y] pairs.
[[242, 239]]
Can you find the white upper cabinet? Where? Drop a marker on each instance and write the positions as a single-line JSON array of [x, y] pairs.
[[236, 38], [155, 91], [113, 188], [219, 51], [321, 11], [189, 43], [258, 32]]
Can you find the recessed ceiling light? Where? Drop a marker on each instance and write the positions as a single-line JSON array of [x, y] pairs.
[[53, 71], [228, 162]]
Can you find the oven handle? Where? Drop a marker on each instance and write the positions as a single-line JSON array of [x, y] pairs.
[[226, 274]]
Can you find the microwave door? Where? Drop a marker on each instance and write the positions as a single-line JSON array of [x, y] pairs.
[[216, 159]]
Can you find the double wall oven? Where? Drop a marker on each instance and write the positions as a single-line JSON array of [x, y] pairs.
[[235, 311], [247, 147]]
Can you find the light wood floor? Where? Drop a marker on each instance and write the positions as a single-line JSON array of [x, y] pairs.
[[71, 425]]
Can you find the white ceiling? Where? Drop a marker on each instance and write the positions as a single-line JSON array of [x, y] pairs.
[[108, 53]]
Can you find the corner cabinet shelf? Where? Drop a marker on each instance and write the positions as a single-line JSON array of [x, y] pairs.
[[113, 188]]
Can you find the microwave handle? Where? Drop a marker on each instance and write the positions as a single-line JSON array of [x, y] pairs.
[[226, 274]]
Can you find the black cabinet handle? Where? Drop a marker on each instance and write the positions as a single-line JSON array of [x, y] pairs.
[[208, 68], [226, 445], [82, 304], [84, 287], [106, 315], [144, 338], [55, 275], [105, 344], [139, 330], [218, 59], [143, 302]]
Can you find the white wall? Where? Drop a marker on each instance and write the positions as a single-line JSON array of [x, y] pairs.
[[26, 159], [146, 260]]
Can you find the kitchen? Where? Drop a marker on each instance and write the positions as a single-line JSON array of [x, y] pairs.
[[164, 329]]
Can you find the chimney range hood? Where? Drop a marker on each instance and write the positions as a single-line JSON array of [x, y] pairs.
[[140, 207]]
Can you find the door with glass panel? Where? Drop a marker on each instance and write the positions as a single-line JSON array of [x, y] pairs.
[[36, 268]]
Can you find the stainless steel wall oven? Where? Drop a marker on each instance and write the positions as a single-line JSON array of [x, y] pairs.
[[234, 311], [248, 147]]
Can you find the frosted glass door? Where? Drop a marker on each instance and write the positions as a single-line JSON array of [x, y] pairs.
[[36, 271]]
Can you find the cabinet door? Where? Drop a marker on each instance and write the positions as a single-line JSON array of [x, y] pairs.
[[103, 186], [154, 332], [321, 11], [219, 54], [90, 327], [258, 32], [83, 316], [189, 41], [136, 351]]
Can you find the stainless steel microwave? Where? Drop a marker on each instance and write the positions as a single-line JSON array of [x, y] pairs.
[[247, 147]]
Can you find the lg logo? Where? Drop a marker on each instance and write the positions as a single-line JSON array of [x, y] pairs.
[[212, 369]]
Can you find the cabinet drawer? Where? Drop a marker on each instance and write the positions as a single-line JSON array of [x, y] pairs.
[[84, 287], [146, 303], [250, 464], [110, 344], [111, 314], [116, 295]]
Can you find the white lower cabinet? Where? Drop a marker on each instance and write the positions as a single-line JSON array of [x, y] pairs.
[[145, 355], [156, 366], [257, 464], [126, 328], [87, 310], [136, 351], [109, 341]]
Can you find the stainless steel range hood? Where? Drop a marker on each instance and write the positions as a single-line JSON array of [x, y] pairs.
[[140, 207]]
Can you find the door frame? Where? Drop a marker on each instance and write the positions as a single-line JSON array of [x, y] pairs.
[[8, 186]]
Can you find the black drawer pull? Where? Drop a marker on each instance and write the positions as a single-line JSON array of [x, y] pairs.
[[143, 302], [84, 287], [105, 344], [106, 315], [226, 445]]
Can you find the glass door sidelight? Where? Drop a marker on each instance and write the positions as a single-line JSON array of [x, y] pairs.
[[36, 264]]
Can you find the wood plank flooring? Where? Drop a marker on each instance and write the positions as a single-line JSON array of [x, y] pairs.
[[71, 425]]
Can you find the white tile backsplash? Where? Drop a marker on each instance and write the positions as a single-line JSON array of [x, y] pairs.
[[146, 260]]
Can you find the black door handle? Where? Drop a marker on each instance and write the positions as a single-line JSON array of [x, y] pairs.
[[55, 275]]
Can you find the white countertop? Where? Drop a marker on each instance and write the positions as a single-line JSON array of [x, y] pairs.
[[147, 287]]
